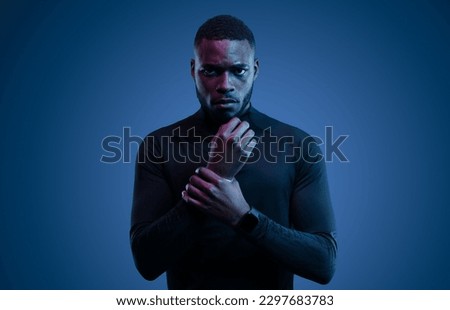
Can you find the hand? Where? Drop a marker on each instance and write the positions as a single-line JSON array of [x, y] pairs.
[[230, 148], [216, 196]]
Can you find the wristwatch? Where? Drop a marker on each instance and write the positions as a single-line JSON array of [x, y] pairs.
[[249, 221]]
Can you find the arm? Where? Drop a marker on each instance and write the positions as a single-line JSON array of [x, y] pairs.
[[162, 229], [309, 255], [307, 247]]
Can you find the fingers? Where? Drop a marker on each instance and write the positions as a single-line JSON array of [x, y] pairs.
[[204, 184], [239, 131], [208, 175], [247, 138], [190, 200], [226, 129], [234, 131], [249, 134], [229, 150], [199, 191], [248, 149]]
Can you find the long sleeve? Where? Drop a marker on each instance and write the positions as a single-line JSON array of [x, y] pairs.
[[309, 255], [295, 233], [162, 227], [308, 247]]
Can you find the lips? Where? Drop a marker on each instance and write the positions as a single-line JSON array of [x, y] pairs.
[[224, 101]]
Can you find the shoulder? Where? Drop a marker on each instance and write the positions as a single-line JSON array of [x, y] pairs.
[[177, 127], [290, 137], [263, 122], [157, 141]]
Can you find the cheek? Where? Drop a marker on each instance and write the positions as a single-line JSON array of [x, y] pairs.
[[247, 82], [245, 86], [204, 85]]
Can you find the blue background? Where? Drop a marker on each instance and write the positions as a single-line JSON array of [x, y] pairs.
[[74, 72]]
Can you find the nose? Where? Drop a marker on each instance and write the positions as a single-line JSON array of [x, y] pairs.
[[224, 84]]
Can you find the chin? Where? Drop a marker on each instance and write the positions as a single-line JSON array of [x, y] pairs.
[[223, 117], [220, 116]]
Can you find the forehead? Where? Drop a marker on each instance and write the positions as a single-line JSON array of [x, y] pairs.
[[224, 52]]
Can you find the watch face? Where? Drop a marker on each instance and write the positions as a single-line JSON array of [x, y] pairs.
[[249, 221]]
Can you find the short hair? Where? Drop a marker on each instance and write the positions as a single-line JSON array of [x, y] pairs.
[[224, 27]]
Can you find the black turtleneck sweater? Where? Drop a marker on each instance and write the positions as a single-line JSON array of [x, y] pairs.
[[285, 181]]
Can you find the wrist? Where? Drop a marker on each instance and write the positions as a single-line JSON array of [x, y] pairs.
[[248, 221], [220, 172], [228, 180], [239, 215]]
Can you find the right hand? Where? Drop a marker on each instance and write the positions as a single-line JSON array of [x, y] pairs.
[[230, 148]]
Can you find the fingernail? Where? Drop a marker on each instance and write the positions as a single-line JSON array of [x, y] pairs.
[[187, 186], [197, 170]]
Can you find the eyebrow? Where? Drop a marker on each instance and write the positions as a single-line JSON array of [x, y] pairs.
[[239, 65], [242, 66]]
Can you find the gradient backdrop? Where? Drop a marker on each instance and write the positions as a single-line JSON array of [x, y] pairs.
[[74, 72]]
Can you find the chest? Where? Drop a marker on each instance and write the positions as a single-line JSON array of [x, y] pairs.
[[266, 180]]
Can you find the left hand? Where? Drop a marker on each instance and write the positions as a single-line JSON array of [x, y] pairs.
[[216, 196]]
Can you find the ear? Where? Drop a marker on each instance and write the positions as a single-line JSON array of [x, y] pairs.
[[193, 68], [256, 68]]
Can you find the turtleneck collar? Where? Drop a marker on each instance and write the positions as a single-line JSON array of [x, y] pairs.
[[212, 125]]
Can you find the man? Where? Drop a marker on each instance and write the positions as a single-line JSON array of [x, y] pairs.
[[230, 198]]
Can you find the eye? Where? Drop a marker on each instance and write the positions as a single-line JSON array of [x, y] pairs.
[[239, 71], [208, 72]]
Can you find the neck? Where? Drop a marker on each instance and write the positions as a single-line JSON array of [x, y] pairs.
[[216, 122]]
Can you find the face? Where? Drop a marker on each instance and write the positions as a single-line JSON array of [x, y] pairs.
[[224, 72]]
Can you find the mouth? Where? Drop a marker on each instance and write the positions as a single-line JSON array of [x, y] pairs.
[[225, 102]]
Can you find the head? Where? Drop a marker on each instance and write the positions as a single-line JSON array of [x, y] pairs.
[[224, 67]]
